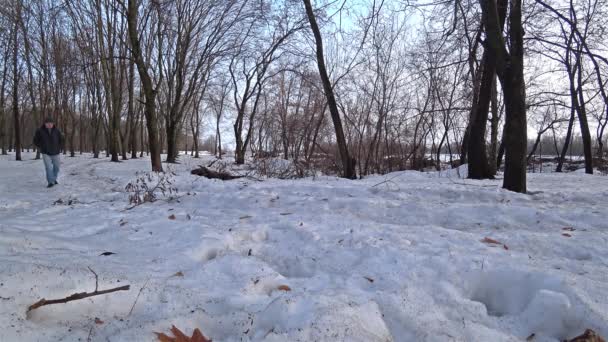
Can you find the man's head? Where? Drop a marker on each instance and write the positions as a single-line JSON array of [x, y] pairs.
[[49, 122]]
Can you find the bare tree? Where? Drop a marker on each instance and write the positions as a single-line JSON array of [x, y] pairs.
[[348, 163], [149, 90], [249, 70], [195, 41]]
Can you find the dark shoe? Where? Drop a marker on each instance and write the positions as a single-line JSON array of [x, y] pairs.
[[50, 185], [56, 182]]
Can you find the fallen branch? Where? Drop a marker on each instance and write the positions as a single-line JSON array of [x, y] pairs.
[[208, 173], [75, 296]]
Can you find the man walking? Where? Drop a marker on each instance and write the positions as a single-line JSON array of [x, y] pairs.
[[49, 141]]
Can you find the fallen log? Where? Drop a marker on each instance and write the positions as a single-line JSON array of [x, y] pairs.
[[211, 174]]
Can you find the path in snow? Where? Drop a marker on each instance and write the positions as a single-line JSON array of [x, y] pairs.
[[400, 261]]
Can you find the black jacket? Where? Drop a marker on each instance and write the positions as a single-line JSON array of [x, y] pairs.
[[49, 141]]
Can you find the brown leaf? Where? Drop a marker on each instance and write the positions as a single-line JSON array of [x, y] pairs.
[[588, 336], [492, 241], [505, 247], [179, 335], [284, 288], [566, 235], [178, 274], [98, 321], [164, 338], [531, 337], [570, 229], [369, 279], [245, 217], [197, 336], [123, 223], [172, 217]]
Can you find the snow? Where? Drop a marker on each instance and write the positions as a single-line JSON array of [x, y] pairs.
[[397, 257]]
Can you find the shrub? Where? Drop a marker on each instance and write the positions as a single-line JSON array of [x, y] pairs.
[[149, 186]]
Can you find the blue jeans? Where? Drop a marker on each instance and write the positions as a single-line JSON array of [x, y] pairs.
[[51, 164]]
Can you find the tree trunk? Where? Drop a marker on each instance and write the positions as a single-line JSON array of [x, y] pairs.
[[348, 163], [582, 119], [600, 139], [3, 142], [142, 143], [493, 155], [479, 167], [16, 119], [149, 91], [535, 146], [562, 156], [509, 66], [239, 151], [171, 130]]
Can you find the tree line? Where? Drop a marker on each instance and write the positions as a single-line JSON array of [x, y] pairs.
[[365, 87]]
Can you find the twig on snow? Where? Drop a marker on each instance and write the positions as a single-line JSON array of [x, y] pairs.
[[390, 180], [90, 334], [137, 298], [75, 296], [96, 278]]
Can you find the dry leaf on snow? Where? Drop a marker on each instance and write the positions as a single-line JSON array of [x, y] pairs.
[[197, 336], [494, 242], [488, 240], [284, 288], [588, 336]]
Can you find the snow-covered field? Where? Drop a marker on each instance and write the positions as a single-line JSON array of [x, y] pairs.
[[389, 258]]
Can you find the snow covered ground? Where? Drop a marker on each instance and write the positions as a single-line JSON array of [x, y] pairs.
[[389, 258]]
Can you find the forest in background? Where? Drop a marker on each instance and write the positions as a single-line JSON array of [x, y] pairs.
[[379, 86]]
